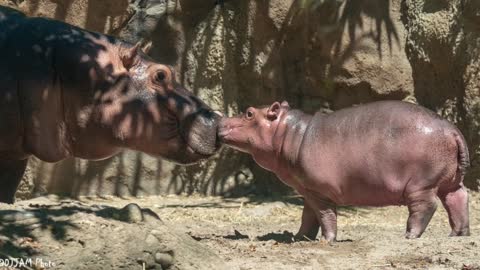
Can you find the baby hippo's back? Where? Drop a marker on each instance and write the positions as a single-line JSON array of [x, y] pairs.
[[378, 153]]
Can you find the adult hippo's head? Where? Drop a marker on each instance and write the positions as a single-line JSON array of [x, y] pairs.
[[146, 109], [176, 124]]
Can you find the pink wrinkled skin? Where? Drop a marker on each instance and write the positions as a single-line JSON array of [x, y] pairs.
[[377, 154]]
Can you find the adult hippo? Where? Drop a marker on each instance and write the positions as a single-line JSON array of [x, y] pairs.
[[66, 92], [376, 154]]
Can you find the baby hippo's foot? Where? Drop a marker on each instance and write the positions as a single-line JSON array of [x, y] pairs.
[[463, 232], [311, 236], [412, 235], [307, 235], [329, 237]]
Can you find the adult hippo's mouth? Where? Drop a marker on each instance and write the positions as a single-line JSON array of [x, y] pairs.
[[199, 131]]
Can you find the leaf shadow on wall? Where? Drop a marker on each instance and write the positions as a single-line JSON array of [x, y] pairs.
[[315, 25]]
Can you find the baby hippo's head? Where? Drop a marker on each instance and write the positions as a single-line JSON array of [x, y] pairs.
[[253, 130]]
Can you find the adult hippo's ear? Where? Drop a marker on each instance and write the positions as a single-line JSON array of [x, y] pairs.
[[146, 47], [129, 56], [273, 111]]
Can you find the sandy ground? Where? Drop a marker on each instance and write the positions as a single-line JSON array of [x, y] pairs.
[[254, 233]]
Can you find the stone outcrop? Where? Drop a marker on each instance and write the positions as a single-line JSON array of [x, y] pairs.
[[443, 47], [317, 55]]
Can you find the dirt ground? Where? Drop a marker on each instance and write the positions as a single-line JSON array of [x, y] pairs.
[[255, 233]]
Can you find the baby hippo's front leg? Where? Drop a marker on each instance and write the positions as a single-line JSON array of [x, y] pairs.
[[310, 225], [326, 213]]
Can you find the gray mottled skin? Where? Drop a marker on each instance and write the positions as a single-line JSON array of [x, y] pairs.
[[68, 92], [377, 154]]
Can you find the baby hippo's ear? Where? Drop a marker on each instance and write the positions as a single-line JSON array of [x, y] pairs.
[[285, 104], [273, 111]]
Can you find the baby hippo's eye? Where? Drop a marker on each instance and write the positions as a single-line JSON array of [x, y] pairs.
[[249, 114]]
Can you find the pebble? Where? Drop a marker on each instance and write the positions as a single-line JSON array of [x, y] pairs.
[[151, 240], [165, 259], [132, 213]]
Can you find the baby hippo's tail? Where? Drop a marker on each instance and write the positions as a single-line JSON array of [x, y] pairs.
[[463, 155]]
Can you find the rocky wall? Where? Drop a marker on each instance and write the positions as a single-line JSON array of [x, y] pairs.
[[316, 54], [443, 47]]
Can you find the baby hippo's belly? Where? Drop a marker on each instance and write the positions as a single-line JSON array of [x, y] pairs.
[[363, 192], [358, 191], [376, 177]]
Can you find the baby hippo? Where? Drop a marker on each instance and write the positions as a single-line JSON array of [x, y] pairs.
[[377, 154]]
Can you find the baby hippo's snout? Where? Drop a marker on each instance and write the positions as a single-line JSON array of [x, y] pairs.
[[234, 132], [224, 128]]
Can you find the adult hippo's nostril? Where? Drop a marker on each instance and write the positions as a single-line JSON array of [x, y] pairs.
[[199, 130]]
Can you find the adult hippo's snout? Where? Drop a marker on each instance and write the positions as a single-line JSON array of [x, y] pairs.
[[199, 130]]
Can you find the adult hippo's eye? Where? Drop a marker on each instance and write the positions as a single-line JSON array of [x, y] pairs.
[[160, 76]]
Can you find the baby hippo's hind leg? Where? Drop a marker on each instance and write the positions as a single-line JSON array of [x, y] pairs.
[[455, 202], [310, 225], [421, 207]]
